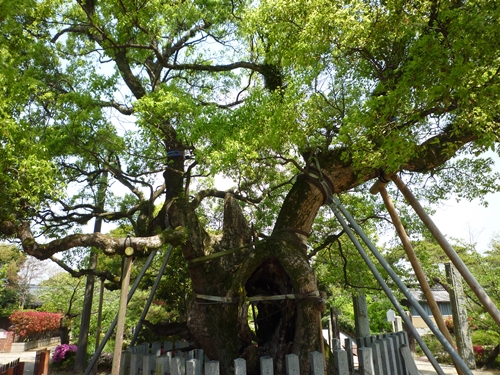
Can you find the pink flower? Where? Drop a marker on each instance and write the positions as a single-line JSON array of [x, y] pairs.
[[62, 352]]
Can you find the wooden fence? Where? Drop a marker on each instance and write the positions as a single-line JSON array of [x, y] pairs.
[[376, 355], [13, 368], [41, 366]]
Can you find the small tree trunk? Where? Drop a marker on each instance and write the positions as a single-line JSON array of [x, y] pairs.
[[81, 353], [490, 362], [64, 331]]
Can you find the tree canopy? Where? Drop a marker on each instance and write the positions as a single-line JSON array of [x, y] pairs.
[[163, 96]]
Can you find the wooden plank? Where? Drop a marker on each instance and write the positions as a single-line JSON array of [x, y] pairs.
[[365, 360], [409, 362]]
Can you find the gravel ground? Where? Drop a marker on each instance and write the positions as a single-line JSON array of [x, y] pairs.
[[425, 368]]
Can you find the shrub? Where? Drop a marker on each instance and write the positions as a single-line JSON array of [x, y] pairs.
[[34, 325], [105, 361], [436, 348], [63, 352], [481, 337], [480, 355], [63, 358]]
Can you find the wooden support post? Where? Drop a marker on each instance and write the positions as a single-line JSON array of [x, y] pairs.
[[99, 322], [120, 325], [448, 249], [419, 272]]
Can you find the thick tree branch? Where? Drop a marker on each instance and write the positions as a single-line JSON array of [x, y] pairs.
[[108, 244], [133, 83], [438, 150], [217, 68], [120, 108], [76, 274]]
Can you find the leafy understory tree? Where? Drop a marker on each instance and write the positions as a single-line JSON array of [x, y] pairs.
[[163, 95], [11, 260]]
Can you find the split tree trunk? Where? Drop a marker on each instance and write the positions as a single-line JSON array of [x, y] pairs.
[[276, 266]]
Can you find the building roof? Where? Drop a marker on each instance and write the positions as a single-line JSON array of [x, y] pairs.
[[439, 293]]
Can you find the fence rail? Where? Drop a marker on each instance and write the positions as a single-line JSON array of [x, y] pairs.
[[12, 368], [376, 355]]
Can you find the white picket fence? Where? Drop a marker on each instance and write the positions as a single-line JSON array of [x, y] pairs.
[[376, 355]]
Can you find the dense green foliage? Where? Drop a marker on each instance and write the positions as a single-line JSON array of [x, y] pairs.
[[375, 80], [11, 260]]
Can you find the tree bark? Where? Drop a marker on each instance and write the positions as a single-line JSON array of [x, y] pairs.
[[276, 266], [81, 353]]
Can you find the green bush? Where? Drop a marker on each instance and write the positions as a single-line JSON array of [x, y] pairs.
[[436, 348], [481, 337]]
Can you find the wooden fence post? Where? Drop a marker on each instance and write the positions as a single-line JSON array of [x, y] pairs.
[[365, 360], [266, 366], [292, 364], [177, 366], [240, 366], [193, 367], [156, 348], [350, 356], [317, 363], [212, 368], [377, 358], [125, 362], [340, 362], [148, 364]]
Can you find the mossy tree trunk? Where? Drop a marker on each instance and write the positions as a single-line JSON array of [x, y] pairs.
[[275, 266]]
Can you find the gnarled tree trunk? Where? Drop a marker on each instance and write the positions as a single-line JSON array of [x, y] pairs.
[[276, 266]]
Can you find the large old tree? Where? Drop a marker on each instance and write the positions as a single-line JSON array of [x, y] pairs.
[[161, 96]]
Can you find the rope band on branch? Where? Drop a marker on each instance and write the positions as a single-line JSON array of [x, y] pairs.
[[315, 177]]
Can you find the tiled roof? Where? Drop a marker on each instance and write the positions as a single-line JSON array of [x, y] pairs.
[[440, 295]]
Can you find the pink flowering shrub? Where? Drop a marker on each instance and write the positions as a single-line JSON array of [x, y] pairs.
[[480, 354], [33, 325], [63, 352]]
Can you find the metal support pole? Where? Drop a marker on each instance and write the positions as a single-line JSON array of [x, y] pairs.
[[412, 257], [448, 249], [385, 287], [446, 345], [151, 295], [111, 328]]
